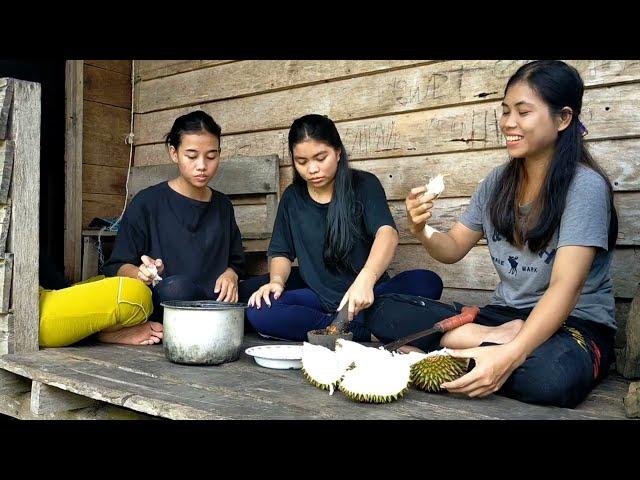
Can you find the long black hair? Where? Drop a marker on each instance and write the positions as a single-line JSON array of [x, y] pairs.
[[192, 122], [344, 211], [559, 85]]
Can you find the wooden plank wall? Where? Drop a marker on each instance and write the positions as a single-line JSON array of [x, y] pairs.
[[106, 125], [403, 121]]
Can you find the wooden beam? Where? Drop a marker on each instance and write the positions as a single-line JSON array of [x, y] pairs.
[[6, 167], [6, 94], [6, 271], [47, 399], [12, 384], [630, 367], [73, 169], [24, 237]]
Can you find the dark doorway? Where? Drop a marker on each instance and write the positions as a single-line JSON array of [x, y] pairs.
[[51, 75]]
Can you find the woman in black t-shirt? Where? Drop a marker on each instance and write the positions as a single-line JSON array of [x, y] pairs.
[[336, 222], [183, 231]]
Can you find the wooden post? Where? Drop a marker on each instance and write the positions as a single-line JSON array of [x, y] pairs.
[[73, 169], [6, 94], [24, 231], [631, 357]]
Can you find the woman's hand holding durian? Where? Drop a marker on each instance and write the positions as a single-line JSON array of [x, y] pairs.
[[494, 365]]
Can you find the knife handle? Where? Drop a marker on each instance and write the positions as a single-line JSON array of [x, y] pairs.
[[468, 315]]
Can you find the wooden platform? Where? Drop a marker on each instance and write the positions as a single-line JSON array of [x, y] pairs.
[[141, 381]]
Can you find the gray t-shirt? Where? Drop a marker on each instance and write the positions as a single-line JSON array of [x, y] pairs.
[[524, 276]]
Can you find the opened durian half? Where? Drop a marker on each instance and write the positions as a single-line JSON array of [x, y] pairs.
[[363, 374], [321, 367], [376, 380], [437, 368]]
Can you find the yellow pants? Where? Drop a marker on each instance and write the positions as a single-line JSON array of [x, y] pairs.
[[71, 314]]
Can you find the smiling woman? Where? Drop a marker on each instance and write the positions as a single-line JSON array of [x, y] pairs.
[[551, 225]]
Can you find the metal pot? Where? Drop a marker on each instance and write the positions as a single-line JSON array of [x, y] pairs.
[[203, 332]]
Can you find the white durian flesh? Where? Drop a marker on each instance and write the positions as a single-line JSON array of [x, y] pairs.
[[436, 185], [320, 366], [378, 380]]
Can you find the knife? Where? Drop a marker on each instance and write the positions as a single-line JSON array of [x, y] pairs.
[[467, 315], [342, 319]]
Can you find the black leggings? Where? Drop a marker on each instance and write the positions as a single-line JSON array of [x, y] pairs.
[[177, 287], [560, 372]]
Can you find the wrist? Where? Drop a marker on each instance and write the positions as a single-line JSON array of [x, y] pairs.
[[369, 274], [278, 280]]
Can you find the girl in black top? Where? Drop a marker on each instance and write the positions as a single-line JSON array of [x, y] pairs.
[[182, 230], [337, 223]]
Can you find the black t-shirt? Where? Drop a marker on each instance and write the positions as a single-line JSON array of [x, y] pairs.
[[299, 232], [195, 238]]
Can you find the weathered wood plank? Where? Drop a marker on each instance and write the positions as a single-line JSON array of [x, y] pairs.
[[232, 177], [47, 399], [24, 239], [107, 86], [6, 277], [73, 168], [6, 94], [618, 157], [476, 270], [105, 129], [362, 97], [630, 365], [100, 205], [120, 66], [152, 382], [254, 76], [7, 148], [148, 69], [103, 179]]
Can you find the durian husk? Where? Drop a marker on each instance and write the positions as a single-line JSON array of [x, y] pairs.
[[434, 370]]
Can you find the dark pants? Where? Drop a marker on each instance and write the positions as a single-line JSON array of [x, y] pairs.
[[560, 372], [177, 287], [299, 309]]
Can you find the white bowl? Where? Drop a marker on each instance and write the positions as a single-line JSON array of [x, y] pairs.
[[277, 356]]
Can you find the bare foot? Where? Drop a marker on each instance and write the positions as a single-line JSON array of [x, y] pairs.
[[505, 332], [473, 335], [146, 333]]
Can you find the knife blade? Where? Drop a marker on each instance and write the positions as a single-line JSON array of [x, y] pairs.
[[467, 315]]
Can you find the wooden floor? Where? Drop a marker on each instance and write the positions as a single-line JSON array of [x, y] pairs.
[[142, 380]]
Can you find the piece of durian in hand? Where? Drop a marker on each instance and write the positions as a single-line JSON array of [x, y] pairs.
[[436, 185]]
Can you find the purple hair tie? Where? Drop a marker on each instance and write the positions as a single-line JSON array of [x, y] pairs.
[[583, 129]]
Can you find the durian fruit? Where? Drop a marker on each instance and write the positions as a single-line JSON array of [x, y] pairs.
[[379, 379], [437, 368], [320, 366]]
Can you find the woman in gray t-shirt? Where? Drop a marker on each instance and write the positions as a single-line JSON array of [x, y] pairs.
[[551, 226]]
